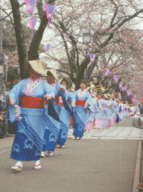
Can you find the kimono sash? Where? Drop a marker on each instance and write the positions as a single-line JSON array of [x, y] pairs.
[[80, 103], [31, 102]]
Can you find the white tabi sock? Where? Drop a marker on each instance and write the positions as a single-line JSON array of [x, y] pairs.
[[19, 163], [37, 162]]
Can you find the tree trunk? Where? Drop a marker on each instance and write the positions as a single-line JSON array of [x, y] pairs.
[[34, 46], [20, 39]]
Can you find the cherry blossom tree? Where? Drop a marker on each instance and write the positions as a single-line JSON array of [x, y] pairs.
[[109, 23]]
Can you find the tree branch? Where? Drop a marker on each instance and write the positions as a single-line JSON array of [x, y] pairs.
[[34, 46]]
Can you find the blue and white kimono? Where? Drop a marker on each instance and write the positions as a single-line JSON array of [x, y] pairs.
[[90, 117], [64, 115], [120, 112], [28, 141], [115, 110], [80, 112], [52, 125], [96, 108], [100, 105]]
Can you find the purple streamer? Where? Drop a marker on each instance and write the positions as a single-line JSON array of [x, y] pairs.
[[116, 78], [108, 72], [33, 22], [30, 4], [47, 47]]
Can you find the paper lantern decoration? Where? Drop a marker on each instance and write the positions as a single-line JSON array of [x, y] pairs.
[[47, 47], [92, 57], [30, 5], [33, 22], [116, 78], [108, 72], [49, 12]]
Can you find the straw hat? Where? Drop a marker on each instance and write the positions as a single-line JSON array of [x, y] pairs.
[[109, 95], [106, 96], [64, 79], [103, 89], [97, 86], [53, 72], [38, 66]]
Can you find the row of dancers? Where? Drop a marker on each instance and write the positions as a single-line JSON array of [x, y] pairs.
[[107, 111], [42, 111]]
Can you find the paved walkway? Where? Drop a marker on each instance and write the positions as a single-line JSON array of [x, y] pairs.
[[83, 166], [122, 131], [89, 165]]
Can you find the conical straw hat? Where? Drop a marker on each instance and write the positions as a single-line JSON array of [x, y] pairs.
[[38, 66]]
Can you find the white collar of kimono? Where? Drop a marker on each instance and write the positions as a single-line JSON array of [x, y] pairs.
[[81, 92], [31, 85]]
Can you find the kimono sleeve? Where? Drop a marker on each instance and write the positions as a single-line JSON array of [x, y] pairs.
[[15, 94], [89, 102], [70, 97], [74, 98]]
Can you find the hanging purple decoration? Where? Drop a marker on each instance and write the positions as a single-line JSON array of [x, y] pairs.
[[30, 4], [116, 78], [92, 57], [49, 12], [47, 47], [108, 72], [33, 22]]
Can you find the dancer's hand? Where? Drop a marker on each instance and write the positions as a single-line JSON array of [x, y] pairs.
[[11, 101], [85, 105], [73, 104], [48, 97], [17, 111]]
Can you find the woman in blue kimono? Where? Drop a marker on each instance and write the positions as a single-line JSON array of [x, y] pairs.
[[95, 108], [82, 100], [120, 111], [110, 111], [64, 114], [100, 113], [52, 122], [91, 114], [115, 111], [27, 102]]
